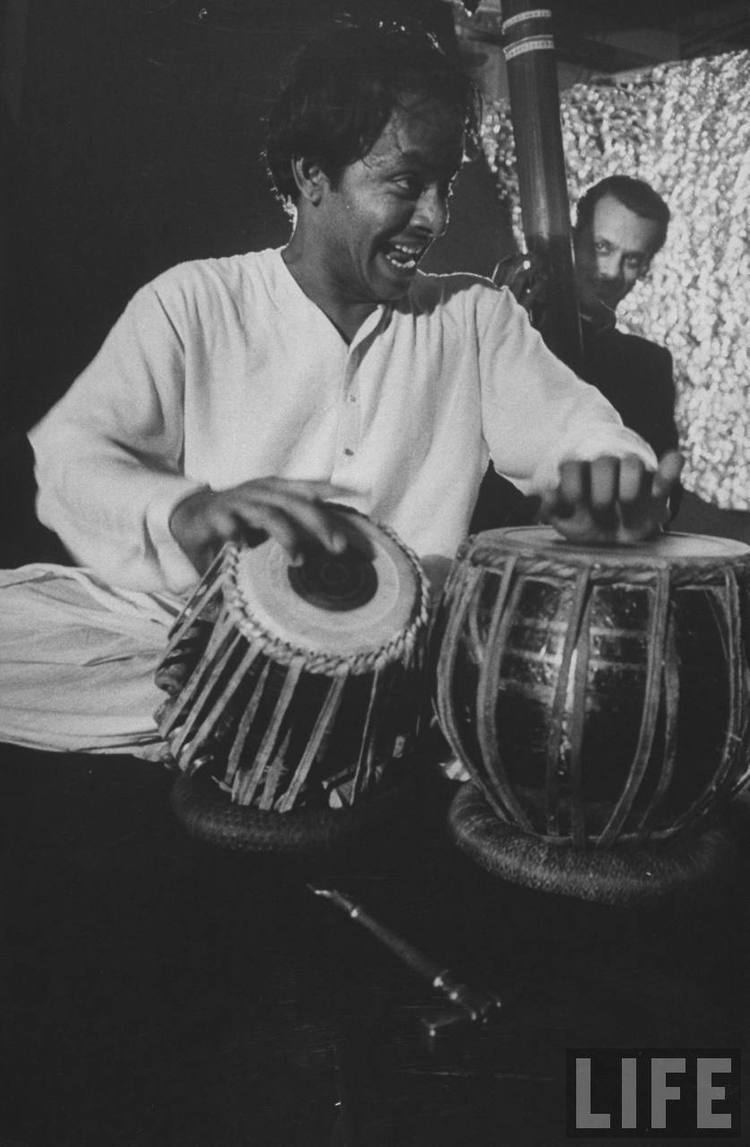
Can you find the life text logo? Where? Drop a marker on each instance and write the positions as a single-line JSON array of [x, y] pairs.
[[656, 1093]]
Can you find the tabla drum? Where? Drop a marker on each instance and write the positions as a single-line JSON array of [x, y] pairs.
[[597, 696], [296, 686]]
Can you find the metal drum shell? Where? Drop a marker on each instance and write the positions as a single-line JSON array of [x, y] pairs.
[[596, 696]]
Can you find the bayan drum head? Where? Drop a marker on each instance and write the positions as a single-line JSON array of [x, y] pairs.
[[670, 547], [345, 606]]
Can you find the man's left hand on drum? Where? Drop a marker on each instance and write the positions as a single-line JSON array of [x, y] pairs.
[[295, 513], [610, 501]]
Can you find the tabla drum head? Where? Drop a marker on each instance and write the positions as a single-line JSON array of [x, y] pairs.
[[668, 547], [343, 606]]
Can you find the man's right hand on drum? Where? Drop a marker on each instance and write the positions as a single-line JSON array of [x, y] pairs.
[[611, 501], [295, 513]]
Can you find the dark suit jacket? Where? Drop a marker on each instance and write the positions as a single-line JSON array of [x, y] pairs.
[[636, 376]]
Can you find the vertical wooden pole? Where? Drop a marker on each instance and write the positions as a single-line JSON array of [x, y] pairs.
[[535, 110]]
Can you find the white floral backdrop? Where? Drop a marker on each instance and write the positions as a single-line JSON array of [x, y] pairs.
[[685, 128]]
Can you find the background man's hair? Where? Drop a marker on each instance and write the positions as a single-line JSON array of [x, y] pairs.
[[342, 89], [635, 194]]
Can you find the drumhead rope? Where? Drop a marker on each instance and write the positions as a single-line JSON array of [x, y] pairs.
[[262, 595]]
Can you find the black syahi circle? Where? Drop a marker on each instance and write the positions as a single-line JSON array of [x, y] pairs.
[[335, 582]]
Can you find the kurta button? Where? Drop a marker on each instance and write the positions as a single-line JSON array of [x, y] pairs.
[[348, 452]]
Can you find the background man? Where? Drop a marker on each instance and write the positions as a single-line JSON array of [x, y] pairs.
[[621, 224]]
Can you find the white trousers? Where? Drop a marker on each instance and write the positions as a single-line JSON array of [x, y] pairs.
[[77, 662]]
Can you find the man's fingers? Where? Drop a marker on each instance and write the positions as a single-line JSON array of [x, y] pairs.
[[312, 506], [315, 521], [635, 480], [265, 522], [575, 485], [295, 513], [308, 490], [605, 482], [571, 493], [299, 523], [611, 500], [668, 474], [348, 525], [294, 523]]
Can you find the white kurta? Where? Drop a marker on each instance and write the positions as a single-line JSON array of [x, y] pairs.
[[223, 370]]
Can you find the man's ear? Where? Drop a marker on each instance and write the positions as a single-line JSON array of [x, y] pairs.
[[310, 178]]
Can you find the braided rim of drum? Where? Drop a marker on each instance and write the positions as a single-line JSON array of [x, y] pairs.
[[398, 648], [201, 806], [619, 876], [700, 569]]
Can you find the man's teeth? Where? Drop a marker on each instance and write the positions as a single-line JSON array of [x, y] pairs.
[[405, 258]]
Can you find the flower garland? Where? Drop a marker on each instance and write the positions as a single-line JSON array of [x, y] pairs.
[[685, 128]]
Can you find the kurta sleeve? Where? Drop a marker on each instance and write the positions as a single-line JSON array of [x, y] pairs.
[[109, 454], [535, 411]]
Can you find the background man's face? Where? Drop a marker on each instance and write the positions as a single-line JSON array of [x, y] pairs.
[[379, 218], [612, 254]]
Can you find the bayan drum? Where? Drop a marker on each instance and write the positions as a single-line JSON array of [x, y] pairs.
[[296, 686], [597, 696]]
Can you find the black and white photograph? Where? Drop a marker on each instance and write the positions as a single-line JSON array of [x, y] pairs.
[[374, 572]]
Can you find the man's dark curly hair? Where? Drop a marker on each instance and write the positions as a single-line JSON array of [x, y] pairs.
[[635, 194], [342, 89]]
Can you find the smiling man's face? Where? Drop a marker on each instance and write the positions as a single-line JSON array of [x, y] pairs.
[[378, 218]]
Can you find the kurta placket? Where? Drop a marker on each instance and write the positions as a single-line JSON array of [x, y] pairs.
[[349, 434]]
